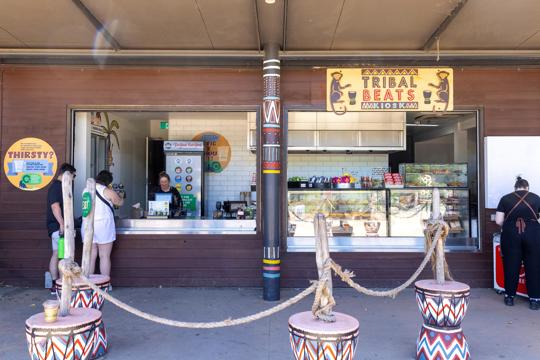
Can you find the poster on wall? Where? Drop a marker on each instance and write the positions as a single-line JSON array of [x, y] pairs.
[[389, 89], [217, 151], [30, 164]]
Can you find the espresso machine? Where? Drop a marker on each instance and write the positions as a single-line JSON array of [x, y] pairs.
[[231, 208]]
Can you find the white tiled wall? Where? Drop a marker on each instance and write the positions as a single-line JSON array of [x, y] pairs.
[[236, 177], [307, 165], [228, 184]]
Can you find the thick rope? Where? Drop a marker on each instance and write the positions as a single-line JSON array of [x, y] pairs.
[[202, 325], [347, 275], [320, 288], [438, 229], [71, 268], [320, 311]]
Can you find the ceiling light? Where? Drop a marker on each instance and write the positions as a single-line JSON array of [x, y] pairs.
[[270, 1]]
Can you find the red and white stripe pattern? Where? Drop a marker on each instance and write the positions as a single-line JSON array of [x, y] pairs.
[[440, 344], [86, 342], [442, 309], [312, 347], [86, 297]]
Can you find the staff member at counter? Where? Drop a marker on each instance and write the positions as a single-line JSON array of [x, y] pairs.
[[517, 213], [164, 187]]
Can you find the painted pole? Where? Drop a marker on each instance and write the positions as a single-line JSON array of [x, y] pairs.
[[69, 239], [271, 172], [89, 197]]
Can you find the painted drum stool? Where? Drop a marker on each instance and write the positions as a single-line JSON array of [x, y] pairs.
[[79, 336], [313, 339], [84, 296], [443, 307], [438, 344]]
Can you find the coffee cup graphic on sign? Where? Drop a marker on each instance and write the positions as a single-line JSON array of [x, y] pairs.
[[352, 97], [427, 96]]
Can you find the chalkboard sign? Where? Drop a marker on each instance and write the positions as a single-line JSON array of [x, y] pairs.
[[506, 158]]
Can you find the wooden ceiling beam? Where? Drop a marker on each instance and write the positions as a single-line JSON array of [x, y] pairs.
[[97, 24], [442, 27]]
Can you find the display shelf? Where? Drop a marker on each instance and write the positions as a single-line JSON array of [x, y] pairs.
[[434, 175], [409, 209], [349, 212]]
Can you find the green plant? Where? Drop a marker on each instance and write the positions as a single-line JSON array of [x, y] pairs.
[[110, 129]]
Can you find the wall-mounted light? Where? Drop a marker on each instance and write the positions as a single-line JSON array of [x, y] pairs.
[[270, 1]]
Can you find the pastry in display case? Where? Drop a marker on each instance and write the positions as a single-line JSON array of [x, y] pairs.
[[349, 212], [434, 175], [410, 210]]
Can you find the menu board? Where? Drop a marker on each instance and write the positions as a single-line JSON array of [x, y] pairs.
[[186, 173]]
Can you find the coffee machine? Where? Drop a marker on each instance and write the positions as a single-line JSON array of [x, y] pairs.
[[231, 208]]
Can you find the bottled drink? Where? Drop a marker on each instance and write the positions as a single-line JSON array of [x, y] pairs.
[[61, 246]]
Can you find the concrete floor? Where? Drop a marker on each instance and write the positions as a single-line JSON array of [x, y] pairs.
[[388, 328]]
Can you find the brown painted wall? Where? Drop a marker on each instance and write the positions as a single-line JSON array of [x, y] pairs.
[[34, 103]]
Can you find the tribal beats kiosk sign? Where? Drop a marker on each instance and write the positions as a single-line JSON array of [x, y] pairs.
[[389, 89]]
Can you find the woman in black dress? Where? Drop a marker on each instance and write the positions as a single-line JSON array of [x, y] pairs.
[[518, 214]]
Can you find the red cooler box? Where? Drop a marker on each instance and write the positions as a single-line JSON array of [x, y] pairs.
[[498, 272]]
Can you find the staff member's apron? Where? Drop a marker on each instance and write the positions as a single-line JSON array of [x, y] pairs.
[[520, 241]]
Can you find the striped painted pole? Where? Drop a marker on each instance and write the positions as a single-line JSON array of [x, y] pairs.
[[271, 172]]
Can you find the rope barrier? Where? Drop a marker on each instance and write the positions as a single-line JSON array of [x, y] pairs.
[[203, 325], [320, 287], [347, 275]]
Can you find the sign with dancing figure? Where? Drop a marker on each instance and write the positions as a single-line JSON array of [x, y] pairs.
[[389, 89]]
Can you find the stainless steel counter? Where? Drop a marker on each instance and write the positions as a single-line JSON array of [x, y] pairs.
[[185, 226], [377, 244]]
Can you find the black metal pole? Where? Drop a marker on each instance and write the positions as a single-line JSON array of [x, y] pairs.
[[271, 171]]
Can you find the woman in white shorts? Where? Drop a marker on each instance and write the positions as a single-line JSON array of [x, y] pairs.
[[104, 228]]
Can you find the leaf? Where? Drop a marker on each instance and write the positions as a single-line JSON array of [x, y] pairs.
[[113, 133], [108, 122]]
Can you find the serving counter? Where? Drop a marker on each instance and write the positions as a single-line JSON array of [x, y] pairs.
[[185, 226]]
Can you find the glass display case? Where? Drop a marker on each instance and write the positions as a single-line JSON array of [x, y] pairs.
[[434, 175], [350, 213], [410, 208]]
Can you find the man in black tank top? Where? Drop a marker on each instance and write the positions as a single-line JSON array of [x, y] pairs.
[[517, 214]]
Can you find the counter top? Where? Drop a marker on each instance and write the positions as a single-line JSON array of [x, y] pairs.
[[185, 226], [333, 189], [410, 188]]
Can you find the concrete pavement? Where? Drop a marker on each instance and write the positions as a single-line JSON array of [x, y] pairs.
[[388, 328]]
